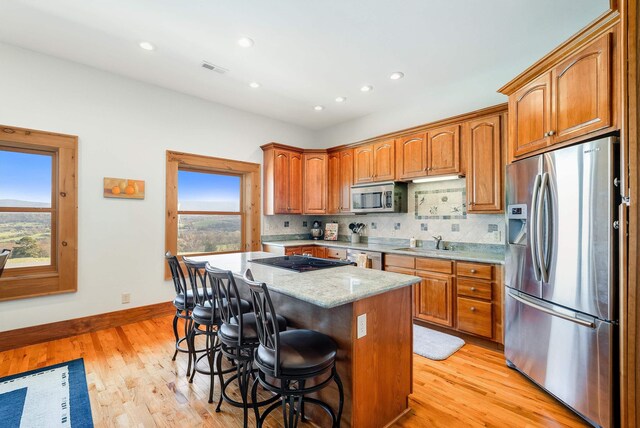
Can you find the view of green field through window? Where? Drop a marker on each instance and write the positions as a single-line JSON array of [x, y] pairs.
[[209, 217], [26, 217]]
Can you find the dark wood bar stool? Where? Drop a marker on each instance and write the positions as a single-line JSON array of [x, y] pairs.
[[292, 358], [238, 339]]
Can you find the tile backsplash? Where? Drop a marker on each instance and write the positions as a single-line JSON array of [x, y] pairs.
[[434, 209]]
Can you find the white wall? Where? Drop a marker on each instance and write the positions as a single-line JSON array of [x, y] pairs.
[[476, 92], [124, 128]]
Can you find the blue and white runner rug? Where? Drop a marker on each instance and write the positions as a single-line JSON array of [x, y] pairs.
[[53, 396]]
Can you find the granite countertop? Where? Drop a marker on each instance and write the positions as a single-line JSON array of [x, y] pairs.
[[469, 256], [326, 288]]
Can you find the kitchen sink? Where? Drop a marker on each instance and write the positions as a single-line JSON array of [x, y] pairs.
[[422, 249]]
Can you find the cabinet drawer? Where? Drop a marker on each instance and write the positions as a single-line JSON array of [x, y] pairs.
[[399, 261], [290, 251], [336, 253], [474, 316], [435, 265], [309, 250], [475, 289], [475, 270], [405, 271]]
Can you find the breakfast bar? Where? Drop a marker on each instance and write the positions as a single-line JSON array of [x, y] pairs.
[[375, 357]]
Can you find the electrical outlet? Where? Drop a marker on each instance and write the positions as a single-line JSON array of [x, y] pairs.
[[362, 325], [126, 298]]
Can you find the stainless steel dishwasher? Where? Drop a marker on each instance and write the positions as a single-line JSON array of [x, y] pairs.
[[374, 259]]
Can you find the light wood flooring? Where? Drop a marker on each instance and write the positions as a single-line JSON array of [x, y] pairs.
[[133, 382]]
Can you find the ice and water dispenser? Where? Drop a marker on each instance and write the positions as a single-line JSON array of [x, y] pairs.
[[517, 227]]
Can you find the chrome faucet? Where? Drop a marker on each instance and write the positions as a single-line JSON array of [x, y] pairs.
[[438, 240]]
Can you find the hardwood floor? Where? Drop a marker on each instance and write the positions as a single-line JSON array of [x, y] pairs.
[[133, 382]]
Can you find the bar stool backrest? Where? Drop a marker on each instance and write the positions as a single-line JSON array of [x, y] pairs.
[[177, 275], [266, 320], [223, 284], [4, 256], [198, 281]]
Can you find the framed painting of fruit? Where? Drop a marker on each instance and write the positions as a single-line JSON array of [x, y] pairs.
[[123, 188]]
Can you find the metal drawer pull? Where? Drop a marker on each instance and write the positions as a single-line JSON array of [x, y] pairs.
[[552, 312], [472, 308], [473, 271], [473, 288]]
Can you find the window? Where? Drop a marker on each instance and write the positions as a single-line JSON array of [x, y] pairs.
[[38, 212], [213, 205], [209, 216]]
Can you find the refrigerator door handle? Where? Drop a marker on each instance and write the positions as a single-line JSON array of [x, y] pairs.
[[542, 265], [533, 227], [526, 301]]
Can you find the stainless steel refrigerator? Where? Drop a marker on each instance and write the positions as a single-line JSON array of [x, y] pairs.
[[561, 275]]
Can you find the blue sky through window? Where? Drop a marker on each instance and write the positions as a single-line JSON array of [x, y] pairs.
[[199, 191], [25, 177]]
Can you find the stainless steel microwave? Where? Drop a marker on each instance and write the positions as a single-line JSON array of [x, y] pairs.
[[387, 197]]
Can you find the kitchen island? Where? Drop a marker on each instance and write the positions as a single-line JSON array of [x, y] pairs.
[[376, 369]]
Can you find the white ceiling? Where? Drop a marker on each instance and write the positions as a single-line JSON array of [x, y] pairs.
[[306, 52]]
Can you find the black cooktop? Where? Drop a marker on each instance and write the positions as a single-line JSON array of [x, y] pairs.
[[300, 263]]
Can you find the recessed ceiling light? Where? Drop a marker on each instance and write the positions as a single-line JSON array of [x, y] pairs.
[[147, 46], [254, 85], [341, 99], [318, 108], [367, 88], [245, 42], [396, 75]]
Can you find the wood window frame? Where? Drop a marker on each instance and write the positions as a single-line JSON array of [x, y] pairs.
[[250, 202], [61, 276]]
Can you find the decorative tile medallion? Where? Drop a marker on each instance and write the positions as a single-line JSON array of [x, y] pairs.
[[442, 204]]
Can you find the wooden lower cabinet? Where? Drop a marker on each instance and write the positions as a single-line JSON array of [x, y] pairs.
[[459, 295], [433, 298]]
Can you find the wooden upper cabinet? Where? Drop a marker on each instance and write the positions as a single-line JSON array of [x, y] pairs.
[[374, 162], [333, 191], [582, 91], [295, 183], [346, 179], [484, 165], [443, 150], [340, 181], [530, 116], [384, 160], [411, 156], [315, 183], [573, 97], [363, 164], [282, 180]]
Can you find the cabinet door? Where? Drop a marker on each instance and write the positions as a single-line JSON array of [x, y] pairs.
[[334, 183], [281, 182], [315, 183], [384, 161], [346, 179], [363, 164], [320, 252], [411, 156], [290, 251], [484, 165], [434, 298], [443, 150], [582, 91], [530, 117], [295, 183]]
